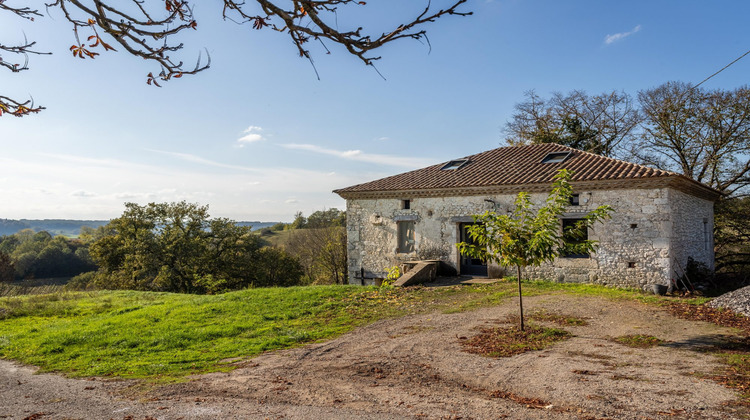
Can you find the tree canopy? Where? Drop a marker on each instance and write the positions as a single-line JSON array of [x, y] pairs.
[[40, 255], [147, 28], [176, 247]]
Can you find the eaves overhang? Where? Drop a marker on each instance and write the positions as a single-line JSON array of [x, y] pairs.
[[677, 182]]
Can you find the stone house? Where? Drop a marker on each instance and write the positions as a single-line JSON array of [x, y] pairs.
[[660, 218]]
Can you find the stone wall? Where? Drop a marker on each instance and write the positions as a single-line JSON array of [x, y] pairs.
[[692, 230], [649, 228]]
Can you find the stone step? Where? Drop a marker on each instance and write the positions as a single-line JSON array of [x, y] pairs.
[[420, 273]]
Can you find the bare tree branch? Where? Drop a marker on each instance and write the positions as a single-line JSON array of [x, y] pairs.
[[144, 28], [18, 109], [705, 135]]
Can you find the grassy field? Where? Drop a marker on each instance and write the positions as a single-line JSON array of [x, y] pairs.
[[278, 238], [165, 336]]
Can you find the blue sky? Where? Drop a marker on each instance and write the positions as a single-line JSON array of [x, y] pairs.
[[258, 137]]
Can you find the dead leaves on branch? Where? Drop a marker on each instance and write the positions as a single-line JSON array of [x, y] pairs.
[[79, 50], [17, 109], [146, 33], [143, 29]]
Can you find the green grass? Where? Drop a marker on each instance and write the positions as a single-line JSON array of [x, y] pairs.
[[165, 336], [279, 238]]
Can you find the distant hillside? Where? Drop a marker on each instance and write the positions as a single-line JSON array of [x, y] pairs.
[[72, 228], [54, 226]]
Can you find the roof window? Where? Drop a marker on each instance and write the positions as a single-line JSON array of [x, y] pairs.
[[454, 164], [555, 157]]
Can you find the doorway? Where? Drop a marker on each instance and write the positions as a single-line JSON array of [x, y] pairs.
[[470, 266]]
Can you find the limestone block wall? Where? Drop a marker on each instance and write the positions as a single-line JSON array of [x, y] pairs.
[[692, 230], [649, 228], [634, 245]]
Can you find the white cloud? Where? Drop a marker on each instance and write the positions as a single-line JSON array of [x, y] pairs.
[[252, 134], [82, 193], [609, 39], [291, 201], [358, 155]]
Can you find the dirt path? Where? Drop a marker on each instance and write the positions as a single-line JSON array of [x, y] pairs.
[[414, 367]]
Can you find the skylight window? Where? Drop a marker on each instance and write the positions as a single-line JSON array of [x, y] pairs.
[[555, 157], [454, 164]]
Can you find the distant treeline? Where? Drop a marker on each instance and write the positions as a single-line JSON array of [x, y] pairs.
[[178, 247], [72, 228], [64, 227]]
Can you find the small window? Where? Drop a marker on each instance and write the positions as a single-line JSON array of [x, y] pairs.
[[454, 164], [634, 225], [631, 264], [572, 237], [555, 157], [405, 237], [575, 200], [405, 204]]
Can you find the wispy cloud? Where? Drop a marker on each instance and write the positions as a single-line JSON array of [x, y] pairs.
[[202, 161], [81, 193], [252, 134], [609, 39], [97, 188], [360, 156]]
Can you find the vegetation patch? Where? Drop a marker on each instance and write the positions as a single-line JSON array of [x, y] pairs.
[[510, 341], [736, 375], [165, 336], [638, 341], [723, 317], [733, 351], [542, 315]]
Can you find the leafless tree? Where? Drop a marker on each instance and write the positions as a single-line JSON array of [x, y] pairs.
[[704, 135], [145, 28], [599, 124]]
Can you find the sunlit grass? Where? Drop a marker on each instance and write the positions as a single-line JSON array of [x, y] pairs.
[[165, 336]]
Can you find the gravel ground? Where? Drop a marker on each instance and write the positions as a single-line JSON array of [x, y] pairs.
[[414, 367], [736, 300]]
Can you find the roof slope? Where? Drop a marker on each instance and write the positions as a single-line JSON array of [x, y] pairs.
[[509, 166]]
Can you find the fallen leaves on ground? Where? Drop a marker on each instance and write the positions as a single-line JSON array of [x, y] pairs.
[[509, 341], [734, 350], [723, 317]]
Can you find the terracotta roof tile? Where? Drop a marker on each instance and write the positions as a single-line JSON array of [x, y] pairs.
[[519, 165]]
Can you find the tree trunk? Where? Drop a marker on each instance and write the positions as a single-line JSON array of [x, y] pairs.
[[520, 296]]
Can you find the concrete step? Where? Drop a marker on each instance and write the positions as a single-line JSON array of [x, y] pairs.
[[422, 272]]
